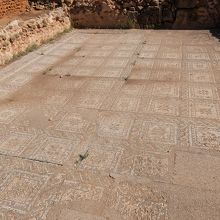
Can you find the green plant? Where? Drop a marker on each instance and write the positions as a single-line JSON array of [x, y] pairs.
[[152, 26], [82, 157], [131, 23]]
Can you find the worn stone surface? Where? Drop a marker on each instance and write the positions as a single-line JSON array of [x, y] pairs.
[[112, 124]]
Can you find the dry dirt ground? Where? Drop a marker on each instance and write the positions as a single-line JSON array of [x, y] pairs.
[[110, 124], [24, 16]]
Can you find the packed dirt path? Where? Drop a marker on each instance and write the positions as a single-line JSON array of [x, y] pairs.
[[112, 124]]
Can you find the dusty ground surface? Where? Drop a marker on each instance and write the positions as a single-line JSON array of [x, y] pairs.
[[109, 124]]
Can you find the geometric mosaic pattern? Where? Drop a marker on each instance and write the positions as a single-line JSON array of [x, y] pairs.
[[112, 124], [19, 190]]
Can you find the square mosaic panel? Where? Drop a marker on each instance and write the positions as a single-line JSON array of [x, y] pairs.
[[148, 47], [123, 54], [73, 62], [15, 143], [153, 41], [66, 85], [140, 74], [77, 191], [202, 109], [110, 72], [147, 202], [64, 70], [161, 106], [127, 47], [155, 131], [197, 56], [132, 89], [8, 114], [147, 54], [119, 63], [195, 49], [114, 125], [166, 90], [56, 100], [90, 100], [93, 62], [171, 48], [168, 75], [144, 63], [203, 137], [100, 53], [102, 157], [20, 189], [168, 64], [170, 55], [199, 76], [84, 71], [201, 92], [18, 79], [99, 85], [150, 165], [54, 150], [126, 103], [172, 41], [144, 165], [165, 133], [73, 122], [197, 66]]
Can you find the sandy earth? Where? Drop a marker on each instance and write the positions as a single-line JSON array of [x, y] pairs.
[[110, 124], [22, 17]]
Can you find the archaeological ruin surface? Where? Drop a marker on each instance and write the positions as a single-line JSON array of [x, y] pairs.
[[112, 125], [118, 122]]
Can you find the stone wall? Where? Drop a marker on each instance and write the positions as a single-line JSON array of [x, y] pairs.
[[8, 7], [145, 13], [197, 13], [18, 36]]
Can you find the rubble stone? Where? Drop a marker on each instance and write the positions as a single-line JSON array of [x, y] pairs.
[[145, 13], [18, 36]]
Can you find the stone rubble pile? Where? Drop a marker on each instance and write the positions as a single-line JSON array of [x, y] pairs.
[[44, 4], [145, 13], [18, 36]]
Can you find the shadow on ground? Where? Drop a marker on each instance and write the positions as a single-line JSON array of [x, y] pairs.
[[215, 33]]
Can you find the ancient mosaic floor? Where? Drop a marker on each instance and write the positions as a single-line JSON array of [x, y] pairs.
[[112, 125]]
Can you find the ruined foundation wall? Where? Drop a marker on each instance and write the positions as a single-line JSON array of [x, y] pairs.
[[8, 7], [145, 13], [20, 36]]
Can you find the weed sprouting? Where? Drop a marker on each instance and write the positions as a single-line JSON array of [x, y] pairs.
[[82, 157]]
